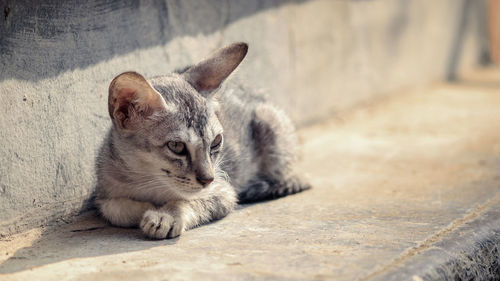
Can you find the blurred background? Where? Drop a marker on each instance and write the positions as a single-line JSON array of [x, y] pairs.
[[314, 58]]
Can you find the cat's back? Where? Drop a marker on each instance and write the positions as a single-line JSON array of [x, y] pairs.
[[237, 103]]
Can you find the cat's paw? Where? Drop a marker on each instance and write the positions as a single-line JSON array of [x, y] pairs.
[[266, 190], [161, 224]]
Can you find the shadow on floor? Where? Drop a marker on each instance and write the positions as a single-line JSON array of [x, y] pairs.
[[89, 236]]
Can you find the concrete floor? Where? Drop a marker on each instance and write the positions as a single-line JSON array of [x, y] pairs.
[[394, 180]]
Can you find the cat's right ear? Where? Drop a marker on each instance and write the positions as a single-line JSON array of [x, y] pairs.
[[131, 100], [208, 75]]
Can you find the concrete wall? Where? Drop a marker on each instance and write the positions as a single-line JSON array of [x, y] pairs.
[[313, 58]]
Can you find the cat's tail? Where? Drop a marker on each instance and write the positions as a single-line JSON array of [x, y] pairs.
[[267, 190]]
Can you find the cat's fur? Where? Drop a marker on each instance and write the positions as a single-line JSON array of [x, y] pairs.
[[143, 182]]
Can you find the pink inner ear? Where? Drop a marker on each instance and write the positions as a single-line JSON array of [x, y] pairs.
[[124, 96], [129, 99], [207, 84], [126, 93], [121, 101]]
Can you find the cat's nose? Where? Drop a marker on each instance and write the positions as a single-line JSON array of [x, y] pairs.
[[205, 181]]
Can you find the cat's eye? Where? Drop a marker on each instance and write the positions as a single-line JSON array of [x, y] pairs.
[[216, 143], [177, 147]]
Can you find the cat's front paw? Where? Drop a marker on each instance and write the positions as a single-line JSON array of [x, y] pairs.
[[161, 224]]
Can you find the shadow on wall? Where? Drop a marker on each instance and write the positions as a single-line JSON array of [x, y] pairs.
[[472, 15], [42, 39]]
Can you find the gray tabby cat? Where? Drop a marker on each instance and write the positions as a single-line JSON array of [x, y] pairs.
[[182, 152]]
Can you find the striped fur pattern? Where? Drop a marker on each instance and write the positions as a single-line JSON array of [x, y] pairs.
[[184, 149]]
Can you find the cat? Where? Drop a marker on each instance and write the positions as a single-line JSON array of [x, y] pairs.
[[183, 151]]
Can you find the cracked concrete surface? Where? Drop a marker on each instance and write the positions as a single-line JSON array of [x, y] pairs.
[[403, 186]]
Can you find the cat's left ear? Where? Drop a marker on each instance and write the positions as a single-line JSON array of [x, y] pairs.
[[208, 75]]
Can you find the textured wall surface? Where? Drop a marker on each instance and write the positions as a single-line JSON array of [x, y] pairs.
[[313, 58]]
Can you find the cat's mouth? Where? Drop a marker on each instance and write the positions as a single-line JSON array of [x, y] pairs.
[[166, 171]]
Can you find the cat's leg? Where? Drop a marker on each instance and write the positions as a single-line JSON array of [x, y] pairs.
[[175, 217], [276, 148], [123, 212]]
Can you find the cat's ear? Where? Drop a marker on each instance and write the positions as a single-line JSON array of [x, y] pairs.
[[131, 100], [207, 75]]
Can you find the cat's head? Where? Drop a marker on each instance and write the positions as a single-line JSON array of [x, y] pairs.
[[167, 127]]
